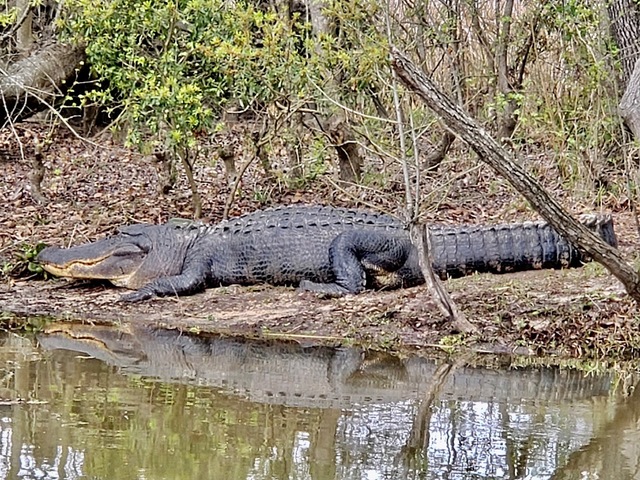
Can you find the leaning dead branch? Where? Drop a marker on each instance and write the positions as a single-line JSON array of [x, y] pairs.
[[491, 153]]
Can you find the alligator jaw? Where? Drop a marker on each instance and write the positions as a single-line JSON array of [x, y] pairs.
[[107, 259], [86, 269]]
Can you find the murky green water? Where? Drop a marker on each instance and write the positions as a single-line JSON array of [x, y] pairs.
[[139, 404]]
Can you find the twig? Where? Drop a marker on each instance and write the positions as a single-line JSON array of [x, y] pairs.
[[16, 25], [234, 187], [12, 127], [346, 108], [420, 238]]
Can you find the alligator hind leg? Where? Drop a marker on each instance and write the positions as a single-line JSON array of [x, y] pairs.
[[356, 253]]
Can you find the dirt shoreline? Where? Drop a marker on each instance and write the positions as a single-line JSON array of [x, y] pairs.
[[580, 313]]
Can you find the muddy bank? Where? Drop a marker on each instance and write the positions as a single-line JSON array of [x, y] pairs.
[[571, 313]]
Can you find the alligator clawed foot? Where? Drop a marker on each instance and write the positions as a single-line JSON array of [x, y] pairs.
[[322, 290], [137, 296], [319, 295]]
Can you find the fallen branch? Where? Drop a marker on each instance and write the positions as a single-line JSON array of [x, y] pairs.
[[491, 153], [31, 84]]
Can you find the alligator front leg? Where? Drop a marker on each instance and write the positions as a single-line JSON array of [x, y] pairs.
[[188, 282], [355, 253]]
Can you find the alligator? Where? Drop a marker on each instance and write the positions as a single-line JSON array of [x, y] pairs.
[[311, 376], [321, 249]]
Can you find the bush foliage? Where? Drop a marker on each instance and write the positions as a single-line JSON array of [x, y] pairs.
[[172, 67]]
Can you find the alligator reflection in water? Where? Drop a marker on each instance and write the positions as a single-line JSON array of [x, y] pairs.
[[258, 410], [312, 377]]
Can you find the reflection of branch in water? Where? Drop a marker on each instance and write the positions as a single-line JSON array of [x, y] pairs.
[[419, 435], [604, 455], [516, 456], [323, 444]]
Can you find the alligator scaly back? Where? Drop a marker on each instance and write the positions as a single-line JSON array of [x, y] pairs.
[[305, 217]]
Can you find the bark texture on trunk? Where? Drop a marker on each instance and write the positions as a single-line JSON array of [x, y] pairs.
[[630, 102], [490, 152], [507, 120], [336, 126], [625, 29], [24, 34], [624, 16], [31, 84], [349, 157]]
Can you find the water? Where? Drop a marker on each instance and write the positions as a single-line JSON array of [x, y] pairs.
[[95, 403]]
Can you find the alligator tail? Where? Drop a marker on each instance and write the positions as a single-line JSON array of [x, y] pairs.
[[460, 251]]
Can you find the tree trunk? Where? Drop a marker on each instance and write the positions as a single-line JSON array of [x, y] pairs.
[[508, 74], [188, 159], [624, 16], [165, 170], [625, 29], [32, 84], [507, 119], [630, 103], [434, 159], [24, 33], [336, 126], [490, 152], [458, 79], [319, 22], [36, 175], [349, 158]]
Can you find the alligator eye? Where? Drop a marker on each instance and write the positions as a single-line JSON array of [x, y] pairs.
[[135, 230], [130, 249]]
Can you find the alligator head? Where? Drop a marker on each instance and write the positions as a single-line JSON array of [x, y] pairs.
[[133, 257]]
